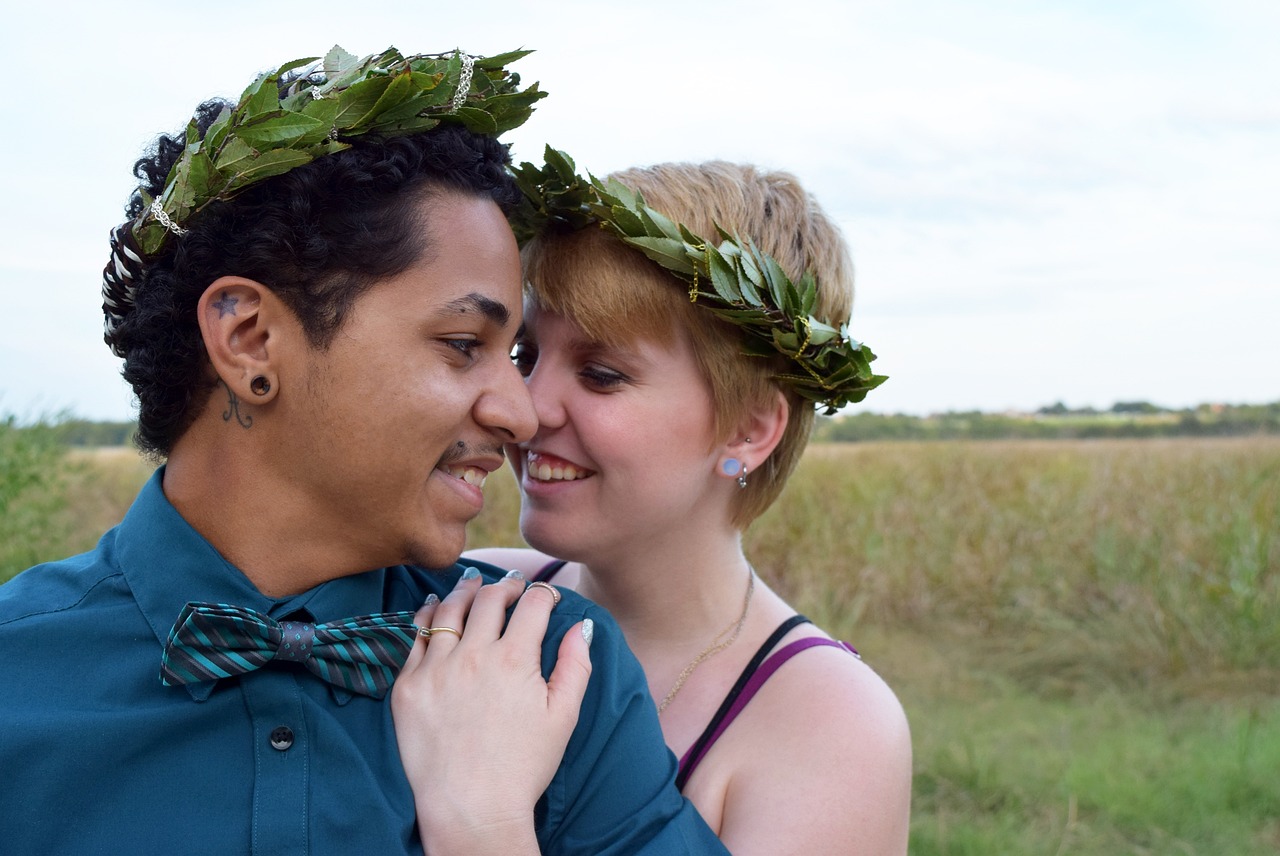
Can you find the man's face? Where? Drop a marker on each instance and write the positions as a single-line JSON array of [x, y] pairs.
[[399, 420]]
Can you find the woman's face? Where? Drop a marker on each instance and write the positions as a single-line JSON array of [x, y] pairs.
[[624, 451]]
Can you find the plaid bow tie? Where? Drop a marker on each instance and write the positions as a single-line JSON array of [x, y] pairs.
[[216, 640]]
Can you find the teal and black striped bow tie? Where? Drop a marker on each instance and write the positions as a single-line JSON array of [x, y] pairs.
[[216, 640]]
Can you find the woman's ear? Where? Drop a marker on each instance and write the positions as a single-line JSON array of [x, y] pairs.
[[758, 434], [236, 317]]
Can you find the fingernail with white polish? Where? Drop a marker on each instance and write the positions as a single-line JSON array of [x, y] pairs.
[[588, 630], [431, 600], [513, 574], [471, 573]]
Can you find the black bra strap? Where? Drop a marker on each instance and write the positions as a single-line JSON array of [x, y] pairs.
[[549, 570], [700, 745]]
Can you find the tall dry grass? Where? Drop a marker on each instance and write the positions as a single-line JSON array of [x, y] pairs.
[[1137, 562]]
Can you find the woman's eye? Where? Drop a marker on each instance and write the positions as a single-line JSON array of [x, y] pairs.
[[600, 377], [524, 355]]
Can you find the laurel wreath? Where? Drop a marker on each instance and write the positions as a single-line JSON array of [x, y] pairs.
[[733, 278], [270, 132]]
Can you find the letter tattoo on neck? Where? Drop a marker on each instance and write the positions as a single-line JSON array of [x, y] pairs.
[[233, 408], [226, 305]]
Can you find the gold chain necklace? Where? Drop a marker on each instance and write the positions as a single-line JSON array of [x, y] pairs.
[[716, 645]]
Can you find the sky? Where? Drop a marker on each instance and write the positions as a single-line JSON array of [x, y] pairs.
[[1073, 201]]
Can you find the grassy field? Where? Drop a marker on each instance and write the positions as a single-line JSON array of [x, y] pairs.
[[1085, 634]]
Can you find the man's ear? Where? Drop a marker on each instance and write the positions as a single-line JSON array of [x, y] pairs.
[[758, 433], [236, 317]]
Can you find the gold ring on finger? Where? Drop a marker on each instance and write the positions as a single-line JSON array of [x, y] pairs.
[[434, 630], [555, 593]]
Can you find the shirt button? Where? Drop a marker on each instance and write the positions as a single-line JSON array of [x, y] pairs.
[[282, 738]]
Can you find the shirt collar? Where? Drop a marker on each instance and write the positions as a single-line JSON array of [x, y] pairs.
[[167, 564]]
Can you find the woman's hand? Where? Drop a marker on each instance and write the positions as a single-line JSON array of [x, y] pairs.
[[481, 733]]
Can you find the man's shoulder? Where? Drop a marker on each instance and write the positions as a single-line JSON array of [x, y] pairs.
[[60, 587], [410, 584]]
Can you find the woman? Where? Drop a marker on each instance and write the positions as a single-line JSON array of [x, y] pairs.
[[659, 442]]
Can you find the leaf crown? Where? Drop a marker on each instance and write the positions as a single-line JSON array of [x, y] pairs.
[[732, 278], [330, 102], [304, 110]]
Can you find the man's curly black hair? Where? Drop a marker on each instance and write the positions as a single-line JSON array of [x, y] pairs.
[[318, 236]]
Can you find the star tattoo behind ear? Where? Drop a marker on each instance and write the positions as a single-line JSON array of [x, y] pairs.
[[226, 305]]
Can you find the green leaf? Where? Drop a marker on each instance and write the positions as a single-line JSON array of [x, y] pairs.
[[295, 64], [476, 120], [265, 165], [261, 98], [614, 192], [399, 89], [179, 196], [564, 167], [232, 155], [786, 342], [657, 225], [757, 346], [808, 293], [820, 334], [217, 132], [724, 278], [282, 130], [200, 175], [628, 223], [750, 267], [774, 276], [151, 237], [325, 112], [500, 60], [338, 60], [406, 111], [356, 101], [666, 252]]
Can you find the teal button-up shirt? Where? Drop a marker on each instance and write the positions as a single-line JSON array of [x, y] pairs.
[[97, 756]]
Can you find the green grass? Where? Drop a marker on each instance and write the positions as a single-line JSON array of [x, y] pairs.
[[57, 501], [35, 481], [1084, 634], [1001, 769]]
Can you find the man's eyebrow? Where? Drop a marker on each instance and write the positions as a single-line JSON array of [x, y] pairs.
[[488, 307]]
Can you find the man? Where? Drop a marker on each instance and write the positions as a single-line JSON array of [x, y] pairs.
[[315, 296]]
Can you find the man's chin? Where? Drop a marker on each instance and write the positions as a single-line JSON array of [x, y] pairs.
[[439, 555]]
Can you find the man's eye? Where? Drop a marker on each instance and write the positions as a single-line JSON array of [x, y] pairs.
[[466, 347]]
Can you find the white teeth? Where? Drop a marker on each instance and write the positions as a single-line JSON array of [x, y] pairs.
[[559, 472], [470, 475]]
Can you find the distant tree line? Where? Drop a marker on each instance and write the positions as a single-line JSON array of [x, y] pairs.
[[82, 432], [1057, 421]]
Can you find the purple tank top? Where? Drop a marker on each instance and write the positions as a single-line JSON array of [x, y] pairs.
[[753, 677]]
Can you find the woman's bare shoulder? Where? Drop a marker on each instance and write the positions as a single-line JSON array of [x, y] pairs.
[[826, 757]]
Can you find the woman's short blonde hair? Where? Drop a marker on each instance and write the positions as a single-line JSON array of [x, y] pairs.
[[616, 295]]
